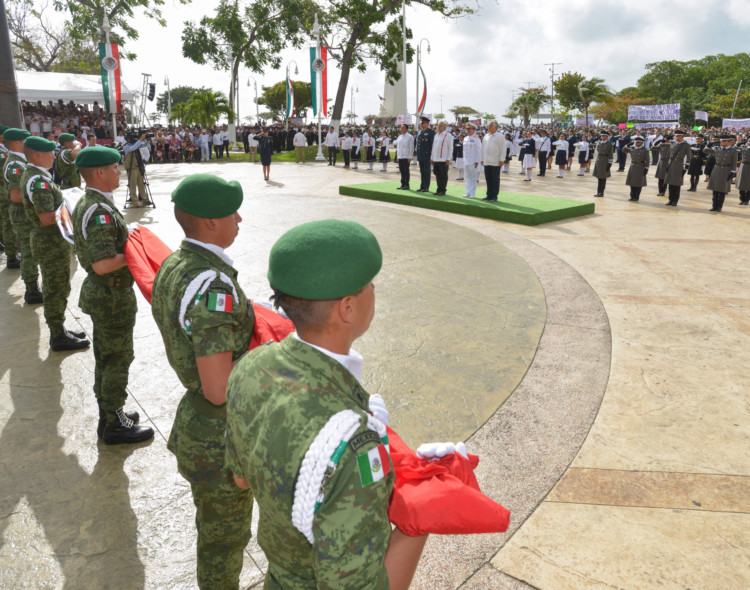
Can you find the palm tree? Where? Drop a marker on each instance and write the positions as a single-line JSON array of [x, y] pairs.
[[207, 106], [529, 103], [590, 91], [180, 113]]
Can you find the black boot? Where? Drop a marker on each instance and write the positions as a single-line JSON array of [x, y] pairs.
[[67, 341], [119, 429], [14, 262], [134, 416], [33, 295], [76, 334]]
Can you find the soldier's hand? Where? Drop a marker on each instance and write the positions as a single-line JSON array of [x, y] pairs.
[[436, 451]]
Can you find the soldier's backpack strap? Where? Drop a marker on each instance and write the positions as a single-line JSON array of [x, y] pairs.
[[197, 287], [90, 211], [324, 452]]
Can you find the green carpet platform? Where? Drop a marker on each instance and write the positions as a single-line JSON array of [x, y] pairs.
[[525, 209]]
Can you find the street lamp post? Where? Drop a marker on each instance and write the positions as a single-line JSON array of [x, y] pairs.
[[296, 72], [107, 29], [419, 60], [552, 90], [257, 112], [169, 98], [352, 118]]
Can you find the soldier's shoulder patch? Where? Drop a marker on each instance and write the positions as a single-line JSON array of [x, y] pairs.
[[373, 465], [216, 301], [362, 439], [42, 185]]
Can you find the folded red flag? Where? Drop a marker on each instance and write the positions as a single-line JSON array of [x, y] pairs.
[[440, 497]]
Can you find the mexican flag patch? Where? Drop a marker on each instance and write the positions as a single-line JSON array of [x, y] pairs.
[[219, 302], [102, 219], [43, 185], [373, 465]]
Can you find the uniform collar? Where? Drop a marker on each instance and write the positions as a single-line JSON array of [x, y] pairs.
[[107, 196], [18, 155], [352, 362], [213, 248], [44, 171]]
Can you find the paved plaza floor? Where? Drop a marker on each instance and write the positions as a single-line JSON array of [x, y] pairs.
[[596, 365]]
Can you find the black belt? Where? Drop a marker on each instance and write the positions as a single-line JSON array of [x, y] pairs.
[[114, 282]]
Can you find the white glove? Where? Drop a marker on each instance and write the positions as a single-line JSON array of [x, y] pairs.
[[378, 409], [436, 451]]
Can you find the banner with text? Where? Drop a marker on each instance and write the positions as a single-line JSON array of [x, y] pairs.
[[701, 116], [581, 121], [403, 119], [735, 123], [656, 112], [653, 124]]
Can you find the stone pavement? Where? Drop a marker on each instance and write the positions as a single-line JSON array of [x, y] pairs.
[[594, 364]]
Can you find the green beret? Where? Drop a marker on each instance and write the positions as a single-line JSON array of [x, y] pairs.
[[15, 134], [95, 156], [66, 137], [39, 144], [3, 129], [208, 196], [326, 259]]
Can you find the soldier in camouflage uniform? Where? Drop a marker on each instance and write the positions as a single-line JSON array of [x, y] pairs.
[[65, 165], [41, 198], [299, 432], [9, 235], [107, 294], [3, 156], [13, 170], [206, 323]]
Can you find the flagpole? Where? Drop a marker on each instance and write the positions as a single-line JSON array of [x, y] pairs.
[[403, 56], [316, 31], [107, 28]]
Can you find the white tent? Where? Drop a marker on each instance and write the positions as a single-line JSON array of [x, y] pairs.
[[80, 88]]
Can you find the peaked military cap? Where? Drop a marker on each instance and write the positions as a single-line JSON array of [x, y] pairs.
[[96, 156], [726, 137], [424, 119], [679, 132], [637, 138], [63, 137], [326, 259], [604, 132], [15, 134], [471, 125], [208, 196], [39, 144]]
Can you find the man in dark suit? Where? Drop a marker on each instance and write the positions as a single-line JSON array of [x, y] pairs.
[[424, 154]]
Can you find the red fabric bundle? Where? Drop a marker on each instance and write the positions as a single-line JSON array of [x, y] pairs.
[[440, 497]]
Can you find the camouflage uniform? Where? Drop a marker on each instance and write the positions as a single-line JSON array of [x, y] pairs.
[[52, 252], [190, 329], [279, 398], [12, 174], [100, 232], [66, 169], [8, 232]]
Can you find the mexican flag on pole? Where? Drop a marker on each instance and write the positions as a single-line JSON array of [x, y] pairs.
[[420, 110], [109, 57], [319, 79], [289, 98]]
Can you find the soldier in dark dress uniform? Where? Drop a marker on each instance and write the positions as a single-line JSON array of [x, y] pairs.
[[424, 153], [265, 151], [662, 147], [679, 155], [639, 158], [720, 181], [697, 161], [743, 175], [604, 155]]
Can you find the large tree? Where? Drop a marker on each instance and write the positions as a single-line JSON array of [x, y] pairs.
[[615, 109], [356, 31], [591, 91], [246, 33], [528, 103], [86, 18], [179, 95], [274, 97], [206, 108], [463, 111], [43, 46], [566, 90]]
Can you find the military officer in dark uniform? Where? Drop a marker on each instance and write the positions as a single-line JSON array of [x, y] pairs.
[[639, 158], [679, 155], [424, 154], [662, 147], [604, 156], [621, 142], [720, 181], [697, 161], [743, 174]]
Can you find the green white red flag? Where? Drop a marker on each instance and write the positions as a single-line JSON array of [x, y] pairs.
[[109, 58], [289, 98]]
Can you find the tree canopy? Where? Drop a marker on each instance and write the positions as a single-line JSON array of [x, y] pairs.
[[205, 108], [180, 94], [528, 103], [274, 97]]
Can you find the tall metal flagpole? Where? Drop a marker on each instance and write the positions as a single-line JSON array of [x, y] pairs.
[[403, 57], [107, 28], [10, 112], [735, 98], [316, 31]]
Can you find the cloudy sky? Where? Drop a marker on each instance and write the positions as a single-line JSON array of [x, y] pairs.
[[480, 60]]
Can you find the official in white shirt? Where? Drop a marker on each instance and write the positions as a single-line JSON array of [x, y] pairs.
[[472, 158], [332, 143], [404, 151], [299, 142], [493, 154], [346, 148], [442, 154]]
